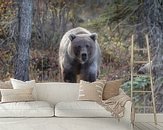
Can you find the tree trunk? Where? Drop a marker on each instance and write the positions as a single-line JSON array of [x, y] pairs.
[[22, 47], [154, 22], [140, 18]]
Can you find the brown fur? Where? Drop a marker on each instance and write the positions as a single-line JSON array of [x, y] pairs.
[[79, 54]]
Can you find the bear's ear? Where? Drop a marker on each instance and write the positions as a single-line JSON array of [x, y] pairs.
[[93, 36], [72, 37]]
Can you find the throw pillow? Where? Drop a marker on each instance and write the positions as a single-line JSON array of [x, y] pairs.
[[111, 89], [91, 91], [16, 95], [18, 84], [5, 85]]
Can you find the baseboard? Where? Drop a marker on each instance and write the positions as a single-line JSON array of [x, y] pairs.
[[149, 117]]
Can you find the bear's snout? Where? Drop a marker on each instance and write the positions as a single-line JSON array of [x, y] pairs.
[[84, 56]]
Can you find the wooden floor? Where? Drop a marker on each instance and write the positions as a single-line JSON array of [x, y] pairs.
[[148, 126], [146, 122]]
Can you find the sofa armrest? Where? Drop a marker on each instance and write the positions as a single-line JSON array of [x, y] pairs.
[[129, 115], [127, 112]]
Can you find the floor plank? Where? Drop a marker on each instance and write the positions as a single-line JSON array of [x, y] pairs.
[[141, 126], [148, 126], [157, 126], [151, 126], [161, 124], [136, 128]]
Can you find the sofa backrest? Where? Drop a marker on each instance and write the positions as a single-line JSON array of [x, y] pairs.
[[55, 92]]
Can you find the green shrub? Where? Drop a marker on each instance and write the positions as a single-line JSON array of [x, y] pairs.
[[139, 83]]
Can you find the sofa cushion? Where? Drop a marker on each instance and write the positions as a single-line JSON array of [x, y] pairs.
[[91, 91], [26, 109], [111, 89], [80, 109], [16, 95], [55, 92]]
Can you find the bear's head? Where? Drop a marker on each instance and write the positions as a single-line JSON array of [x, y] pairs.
[[82, 46]]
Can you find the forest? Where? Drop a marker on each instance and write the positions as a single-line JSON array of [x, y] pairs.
[[31, 30]]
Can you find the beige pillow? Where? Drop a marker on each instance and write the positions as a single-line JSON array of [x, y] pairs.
[[111, 89], [91, 91], [5, 85], [16, 95], [18, 84]]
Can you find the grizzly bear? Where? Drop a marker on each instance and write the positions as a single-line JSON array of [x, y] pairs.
[[79, 56]]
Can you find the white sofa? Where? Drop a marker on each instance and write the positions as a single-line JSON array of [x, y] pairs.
[[57, 108]]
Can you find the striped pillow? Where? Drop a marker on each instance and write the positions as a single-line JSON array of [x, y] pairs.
[[16, 95], [91, 91]]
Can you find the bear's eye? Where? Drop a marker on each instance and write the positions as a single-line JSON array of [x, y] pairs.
[[79, 47], [87, 46]]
